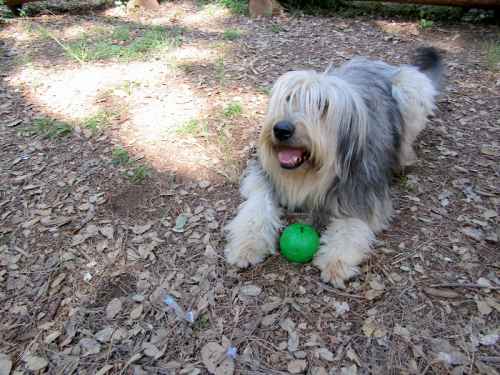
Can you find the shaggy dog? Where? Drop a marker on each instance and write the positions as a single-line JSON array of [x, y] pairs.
[[329, 146]]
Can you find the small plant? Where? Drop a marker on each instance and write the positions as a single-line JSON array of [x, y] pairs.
[[104, 47], [276, 28], [202, 323], [129, 86], [232, 34], [98, 122], [493, 56], [232, 110], [139, 174], [192, 127], [120, 156], [235, 6], [220, 70], [426, 24], [50, 128], [121, 33]]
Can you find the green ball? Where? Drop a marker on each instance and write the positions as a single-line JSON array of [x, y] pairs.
[[299, 242]]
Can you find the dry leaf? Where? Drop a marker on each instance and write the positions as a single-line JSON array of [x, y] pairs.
[[113, 308], [151, 350], [269, 320], [250, 290], [35, 363], [107, 231], [104, 370], [317, 371], [351, 354], [52, 336], [485, 369], [372, 329], [489, 340], [104, 335], [140, 229], [180, 223], [483, 307], [352, 370], [90, 346], [324, 353], [401, 331], [297, 366], [136, 312], [293, 341], [5, 364], [215, 359]]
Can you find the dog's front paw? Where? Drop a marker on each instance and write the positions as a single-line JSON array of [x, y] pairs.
[[336, 271], [245, 255]]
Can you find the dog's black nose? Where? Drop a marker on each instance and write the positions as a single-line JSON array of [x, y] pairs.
[[283, 130]]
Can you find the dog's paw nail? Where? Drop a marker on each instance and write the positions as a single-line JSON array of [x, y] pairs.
[[337, 273]]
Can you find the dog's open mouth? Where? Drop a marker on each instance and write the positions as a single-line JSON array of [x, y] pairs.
[[292, 157]]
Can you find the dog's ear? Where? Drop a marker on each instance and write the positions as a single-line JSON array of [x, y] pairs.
[[350, 141]]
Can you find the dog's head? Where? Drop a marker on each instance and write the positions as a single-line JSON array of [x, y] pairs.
[[315, 125]]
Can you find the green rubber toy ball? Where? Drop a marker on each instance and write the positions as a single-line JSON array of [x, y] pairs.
[[299, 242]]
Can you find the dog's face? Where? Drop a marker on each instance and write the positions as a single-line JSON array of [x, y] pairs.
[[313, 134], [298, 131]]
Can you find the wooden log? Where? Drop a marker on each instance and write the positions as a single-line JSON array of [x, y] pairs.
[[484, 4]]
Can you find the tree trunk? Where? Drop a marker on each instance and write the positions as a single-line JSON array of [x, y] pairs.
[[258, 8]]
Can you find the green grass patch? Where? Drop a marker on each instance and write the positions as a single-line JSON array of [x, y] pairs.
[[139, 174], [121, 33], [493, 56], [220, 70], [192, 128], [232, 110], [235, 6], [121, 44], [98, 122], [120, 156], [50, 128], [232, 34]]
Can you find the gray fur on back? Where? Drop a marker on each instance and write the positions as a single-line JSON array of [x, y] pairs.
[[367, 184]]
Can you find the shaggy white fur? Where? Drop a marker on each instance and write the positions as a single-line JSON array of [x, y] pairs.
[[329, 145]]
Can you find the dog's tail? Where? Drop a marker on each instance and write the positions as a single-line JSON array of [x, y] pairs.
[[429, 61]]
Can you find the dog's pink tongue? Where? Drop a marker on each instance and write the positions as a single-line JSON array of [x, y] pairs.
[[289, 156]]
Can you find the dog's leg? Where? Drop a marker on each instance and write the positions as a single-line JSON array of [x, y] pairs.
[[415, 95], [344, 245], [252, 234]]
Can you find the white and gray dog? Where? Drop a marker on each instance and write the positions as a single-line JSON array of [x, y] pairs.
[[329, 146]]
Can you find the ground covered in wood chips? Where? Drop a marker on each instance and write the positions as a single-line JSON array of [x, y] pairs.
[[122, 136]]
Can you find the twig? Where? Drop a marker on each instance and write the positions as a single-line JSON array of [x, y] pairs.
[[336, 291], [490, 359], [413, 251], [468, 286]]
